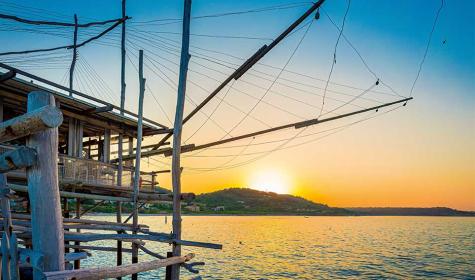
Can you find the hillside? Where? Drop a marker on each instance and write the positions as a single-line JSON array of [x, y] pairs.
[[406, 211], [249, 201]]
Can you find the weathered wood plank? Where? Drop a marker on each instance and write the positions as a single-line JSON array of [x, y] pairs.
[[14, 269], [17, 159], [69, 257], [5, 204], [37, 120], [118, 271], [98, 248], [5, 256], [43, 185]]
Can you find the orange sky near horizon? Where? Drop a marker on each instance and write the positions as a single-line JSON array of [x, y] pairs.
[[420, 155]]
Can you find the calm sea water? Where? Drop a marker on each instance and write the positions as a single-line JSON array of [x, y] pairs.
[[320, 247]]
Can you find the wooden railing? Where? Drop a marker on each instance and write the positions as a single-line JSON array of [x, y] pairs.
[[93, 172]]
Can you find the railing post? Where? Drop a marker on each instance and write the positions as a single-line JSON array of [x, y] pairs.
[[43, 191]]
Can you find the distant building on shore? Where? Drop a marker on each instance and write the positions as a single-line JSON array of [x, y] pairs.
[[218, 208], [193, 208]]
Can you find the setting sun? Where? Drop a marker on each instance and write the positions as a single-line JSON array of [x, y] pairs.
[[270, 181]]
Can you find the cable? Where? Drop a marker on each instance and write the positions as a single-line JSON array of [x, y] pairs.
[[265, 9], [360, 56], [334, 56], [427, 47], [212, 112], [272, 84]]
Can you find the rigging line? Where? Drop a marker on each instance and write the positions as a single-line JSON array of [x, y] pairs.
[[245, 147], [277, 77], [63, 79], [67, 46], [427, 47], [280, 148], [252, 96], [212, 113], [98, 78], [349, 101], [230, 104], [39, 11], [173, 82], [96, 83], [170, 83], [334, 91], [272, 84], [53, 23], [264, 9], [176, 48], [334, 57], [202, 88], [213, 36], [287, 85], [188, 98], [158, 103], [227, 133], [82, 76], [210, 59], [360, 56]]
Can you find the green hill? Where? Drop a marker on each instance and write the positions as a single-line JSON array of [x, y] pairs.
[[249, 201]]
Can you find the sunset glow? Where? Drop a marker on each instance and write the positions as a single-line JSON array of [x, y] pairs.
[[270, 181]]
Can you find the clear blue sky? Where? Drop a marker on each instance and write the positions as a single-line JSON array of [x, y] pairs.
[[429, 143]]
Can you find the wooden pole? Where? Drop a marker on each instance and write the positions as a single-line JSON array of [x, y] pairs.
[[5, 203], [135, 220], [43, 191], [121, 137], [77, 263], [176, 171], [73, 63], [5, 256]]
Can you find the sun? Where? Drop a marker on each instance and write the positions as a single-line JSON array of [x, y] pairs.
[[270, 181]]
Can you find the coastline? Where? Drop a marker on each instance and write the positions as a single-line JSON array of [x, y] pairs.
[[281, 215]]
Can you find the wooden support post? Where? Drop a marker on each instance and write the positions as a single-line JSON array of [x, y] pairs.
[[5, 203], [168, 270], [176, 172], [5, 256], [43, 191], [66, 216], [14, 269], [135, 220], [121, 139], [73, 63], [106, 152], [77, 263], [154, 180]]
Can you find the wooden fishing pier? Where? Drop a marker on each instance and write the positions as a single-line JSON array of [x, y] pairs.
[[60, 147]]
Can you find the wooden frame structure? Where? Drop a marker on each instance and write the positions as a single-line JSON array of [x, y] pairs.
[[80, 143]]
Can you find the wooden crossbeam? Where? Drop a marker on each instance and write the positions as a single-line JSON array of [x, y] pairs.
[[118, 271], [7, 76], [30, 123], [106, 108], [17, 159]]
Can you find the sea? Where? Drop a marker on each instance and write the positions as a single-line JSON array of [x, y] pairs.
[[297, 247]]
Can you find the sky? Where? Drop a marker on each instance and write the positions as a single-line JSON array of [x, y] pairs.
[[419, 155]]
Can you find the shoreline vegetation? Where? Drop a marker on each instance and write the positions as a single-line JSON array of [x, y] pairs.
[[249, 202]]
